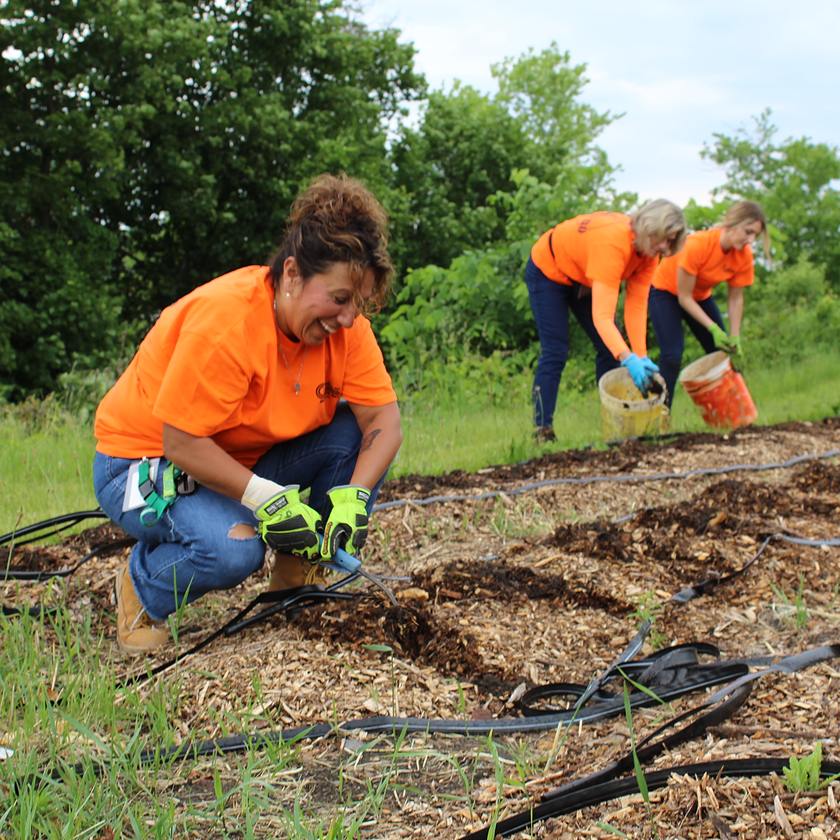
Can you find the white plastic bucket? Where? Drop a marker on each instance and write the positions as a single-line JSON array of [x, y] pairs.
[[625, 413]]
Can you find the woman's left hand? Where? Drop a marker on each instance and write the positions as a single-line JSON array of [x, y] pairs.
[[347, 524]]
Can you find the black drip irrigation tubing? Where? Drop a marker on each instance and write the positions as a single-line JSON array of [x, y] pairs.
[[39, 575], [65, 521], [688, 593], [603, 785], [619, 478], [628, 785], [36, 575], [716, 708]]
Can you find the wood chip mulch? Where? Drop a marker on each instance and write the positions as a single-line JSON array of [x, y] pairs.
[[514, 591]]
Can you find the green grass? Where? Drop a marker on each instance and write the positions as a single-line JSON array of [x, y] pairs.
[[60, 704], [806, 391], [459, 430], [45, 467], [45, 454]]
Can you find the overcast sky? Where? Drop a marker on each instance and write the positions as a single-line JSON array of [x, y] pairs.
[[680, 71]]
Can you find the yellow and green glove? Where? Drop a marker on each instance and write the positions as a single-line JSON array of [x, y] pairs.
[[347, 524], [288, 525]]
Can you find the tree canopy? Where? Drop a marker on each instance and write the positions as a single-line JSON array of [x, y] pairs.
[[795, 181], [149, 146]]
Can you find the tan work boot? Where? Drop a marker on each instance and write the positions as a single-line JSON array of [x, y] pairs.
[[136, 632], [290, 572]]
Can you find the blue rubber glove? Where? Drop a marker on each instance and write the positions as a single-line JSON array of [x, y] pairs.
[[641, 371]]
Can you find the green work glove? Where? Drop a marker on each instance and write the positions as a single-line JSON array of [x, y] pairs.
[[347, 524], [736, 346], [288, 525], [721, 338]]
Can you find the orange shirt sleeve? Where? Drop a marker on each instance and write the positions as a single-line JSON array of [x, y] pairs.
[[636, 312], [609, 254], [366, 380], [604, 302]]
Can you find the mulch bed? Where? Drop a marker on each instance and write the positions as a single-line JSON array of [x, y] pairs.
[[520, 590]]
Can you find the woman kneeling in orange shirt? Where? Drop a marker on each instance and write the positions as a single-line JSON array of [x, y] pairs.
[[578, 266], [682, 287], [261, 382]]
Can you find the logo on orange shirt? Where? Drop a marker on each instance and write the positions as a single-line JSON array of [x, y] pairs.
[[325, 391]]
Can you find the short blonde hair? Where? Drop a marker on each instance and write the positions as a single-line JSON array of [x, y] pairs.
[[659, 219], [748, 211]]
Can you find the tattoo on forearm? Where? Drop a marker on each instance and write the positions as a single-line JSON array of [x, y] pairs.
[[369, 438]]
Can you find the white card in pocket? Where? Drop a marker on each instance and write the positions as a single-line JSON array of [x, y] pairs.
[[132, 499]]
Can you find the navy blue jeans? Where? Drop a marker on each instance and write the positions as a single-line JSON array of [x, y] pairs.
[[190, 552], [668, 316], [551, 303]]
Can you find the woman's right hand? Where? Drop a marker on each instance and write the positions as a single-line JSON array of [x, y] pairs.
[[288, 525], [641, 371]]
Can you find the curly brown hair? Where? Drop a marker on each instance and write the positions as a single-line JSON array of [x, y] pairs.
[[336, 219]]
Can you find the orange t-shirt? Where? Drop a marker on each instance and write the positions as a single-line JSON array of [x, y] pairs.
[[215, 365], [598, 250], [703, 258]]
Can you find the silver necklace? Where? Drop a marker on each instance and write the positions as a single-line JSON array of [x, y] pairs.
[[283, 354]]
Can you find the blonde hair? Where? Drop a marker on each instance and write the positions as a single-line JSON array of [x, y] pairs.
[[659, 219], [748, 211]]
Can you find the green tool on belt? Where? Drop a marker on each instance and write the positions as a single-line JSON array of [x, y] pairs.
[[156, 504]]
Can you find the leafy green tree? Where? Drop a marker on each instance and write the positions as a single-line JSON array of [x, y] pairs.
[[795, 181], [149, 146], [458, 165], [56, 243], [463, 152], [542, 91]]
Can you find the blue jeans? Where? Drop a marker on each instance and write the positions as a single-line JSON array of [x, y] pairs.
[[667, 316], [189, 551], [551, 303]]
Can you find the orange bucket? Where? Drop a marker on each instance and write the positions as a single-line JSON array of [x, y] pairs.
[[719, 391]]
